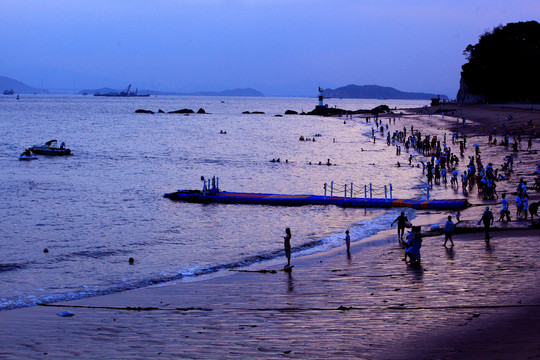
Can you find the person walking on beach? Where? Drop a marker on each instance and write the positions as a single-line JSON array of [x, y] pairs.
[[348, 242], [287, 244], [448, 231], [487, 219], [401, 220]]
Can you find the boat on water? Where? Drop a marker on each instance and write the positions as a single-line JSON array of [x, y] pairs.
[[126, 93], [51, 148], [9, 92], [27, 155]]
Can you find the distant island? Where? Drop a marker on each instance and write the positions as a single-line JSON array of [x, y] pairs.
[[234, 92], [376, 92], [18, 87]]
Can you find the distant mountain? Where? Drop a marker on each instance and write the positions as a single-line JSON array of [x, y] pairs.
[[376, 92], [18, 87], [234, 92]]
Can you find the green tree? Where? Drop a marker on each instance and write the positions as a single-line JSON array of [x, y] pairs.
[[505, 64]]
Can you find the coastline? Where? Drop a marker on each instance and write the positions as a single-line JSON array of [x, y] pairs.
[[369, 305]]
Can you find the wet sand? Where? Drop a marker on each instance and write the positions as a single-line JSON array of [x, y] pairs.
[[469, 301], [465, 301]]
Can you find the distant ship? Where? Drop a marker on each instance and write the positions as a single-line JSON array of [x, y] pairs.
[[126, 93], [9, 92]]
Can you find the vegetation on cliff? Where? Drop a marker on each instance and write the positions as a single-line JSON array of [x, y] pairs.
[[505, 65]]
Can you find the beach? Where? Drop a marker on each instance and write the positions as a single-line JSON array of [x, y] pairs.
[[474, 300]]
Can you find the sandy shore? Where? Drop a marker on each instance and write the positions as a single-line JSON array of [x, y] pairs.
[[470, 301], [467, 301]]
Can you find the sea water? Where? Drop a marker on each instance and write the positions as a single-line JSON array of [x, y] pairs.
[[94, 210]]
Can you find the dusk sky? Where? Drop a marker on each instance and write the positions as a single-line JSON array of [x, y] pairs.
[[279, 47]]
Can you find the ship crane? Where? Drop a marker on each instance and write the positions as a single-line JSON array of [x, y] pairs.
[[127, 91]]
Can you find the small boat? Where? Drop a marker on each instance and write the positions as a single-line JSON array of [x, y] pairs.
[[51, 148], [27, 155]]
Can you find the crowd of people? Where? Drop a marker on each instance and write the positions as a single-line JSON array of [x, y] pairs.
[[444, 163]]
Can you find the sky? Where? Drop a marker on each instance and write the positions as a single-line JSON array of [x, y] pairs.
[[279, 47]]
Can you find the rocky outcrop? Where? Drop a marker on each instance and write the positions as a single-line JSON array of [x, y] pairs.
[[327, 111], [291, 112], [465, 97], [143, 111], [201, 111], [182, 111]]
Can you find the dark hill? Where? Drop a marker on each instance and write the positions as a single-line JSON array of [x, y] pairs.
[[504, 66], [18, 87], [375, 92]]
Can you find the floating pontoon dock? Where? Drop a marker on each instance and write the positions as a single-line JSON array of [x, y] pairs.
[[216, 196]]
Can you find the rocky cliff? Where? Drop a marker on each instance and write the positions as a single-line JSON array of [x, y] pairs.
[[464, 96]]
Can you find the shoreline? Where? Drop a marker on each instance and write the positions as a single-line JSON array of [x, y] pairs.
[[329, 304], [370, 304]]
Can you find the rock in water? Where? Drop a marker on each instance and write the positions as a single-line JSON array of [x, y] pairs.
[[143, 111]]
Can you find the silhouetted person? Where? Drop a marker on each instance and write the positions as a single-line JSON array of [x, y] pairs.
[[287, 245], [487, 219]]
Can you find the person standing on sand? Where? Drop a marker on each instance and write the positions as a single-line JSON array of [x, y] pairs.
[[533, 209], [519, 206], [487, 219], [401, 220], [348, 242], [448, 231], [525, 201], [504, 211], [412, 247], [287, 245]]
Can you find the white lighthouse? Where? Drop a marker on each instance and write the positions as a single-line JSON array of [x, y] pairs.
[[320, 97]]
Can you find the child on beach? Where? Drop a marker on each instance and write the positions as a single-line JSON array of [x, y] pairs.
[[287, 245], [504, 211], [519, 206], [348, 242]]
